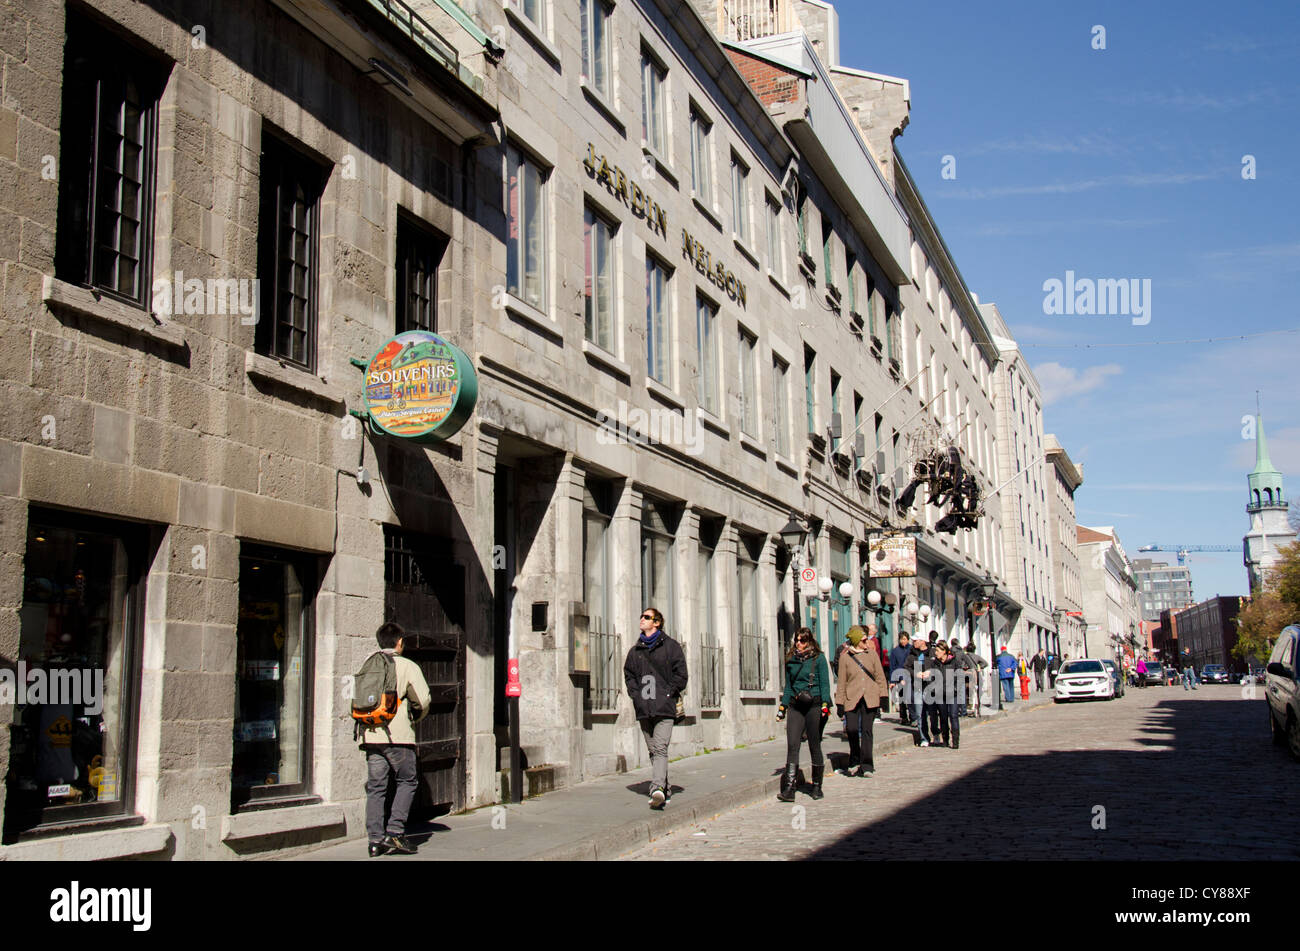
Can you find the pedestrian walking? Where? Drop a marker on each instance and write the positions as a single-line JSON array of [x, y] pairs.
[[1039, 665], [975, 667], [1007, 674], [859, 690], [390, 746], [897, 661], [655, 674], [948, 674], [1189, 677], [1053, 668], [805, 705], [920, 671], [1141, 672]]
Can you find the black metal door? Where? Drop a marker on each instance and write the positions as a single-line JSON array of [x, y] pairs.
[[424, 591]]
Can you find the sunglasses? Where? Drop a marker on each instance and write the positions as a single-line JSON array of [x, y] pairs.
[[648, 617]]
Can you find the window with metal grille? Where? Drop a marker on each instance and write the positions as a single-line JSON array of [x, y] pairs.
[[287, 261], [107, 156], [419, 253]]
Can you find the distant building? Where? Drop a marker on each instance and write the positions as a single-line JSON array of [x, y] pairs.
[[1162, 586], [1267, 508], [1066, 476], [1110, 601], [1206, 634]]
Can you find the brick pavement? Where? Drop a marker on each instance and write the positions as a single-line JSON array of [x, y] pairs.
[[1179, 775]]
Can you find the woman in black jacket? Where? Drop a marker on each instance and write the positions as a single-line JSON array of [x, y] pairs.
[[655, 675], [805, 705]]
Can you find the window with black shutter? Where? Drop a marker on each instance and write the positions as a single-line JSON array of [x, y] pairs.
[[288, 253], [419, 253], [108, 146]]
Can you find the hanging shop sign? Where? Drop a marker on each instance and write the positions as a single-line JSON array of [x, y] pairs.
[[627, 191], [712, 268], [892, 556], [420, 387]]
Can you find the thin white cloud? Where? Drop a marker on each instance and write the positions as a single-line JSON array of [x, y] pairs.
[[1179, 99], [1065, 223], [1049, 145], [1059, 382], [1165, 487], [1089, 184]]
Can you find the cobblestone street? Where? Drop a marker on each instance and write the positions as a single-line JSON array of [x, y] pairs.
[[1179, 775]]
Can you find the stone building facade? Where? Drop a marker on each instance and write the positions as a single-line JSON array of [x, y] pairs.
[[644, 251], [1064, 477]]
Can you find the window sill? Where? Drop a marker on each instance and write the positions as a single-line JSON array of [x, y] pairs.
[[276, 371], [745, 249], [606, 360], [87, 303], [662, 393], [714, 423], [603, 106], [786, 465], [537, 318], [778, 283], [292, 818], [753, 445], [758, 695], [92, 842], [712, 216], [530, 30], [661, 164]]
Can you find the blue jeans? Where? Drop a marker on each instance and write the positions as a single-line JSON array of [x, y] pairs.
[[1009, 689], [380, 761]]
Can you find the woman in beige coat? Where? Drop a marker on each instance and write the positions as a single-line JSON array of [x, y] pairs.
[[860, 686]]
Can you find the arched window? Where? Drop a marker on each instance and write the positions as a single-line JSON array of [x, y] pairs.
[[1257, 496], [1268, 496]]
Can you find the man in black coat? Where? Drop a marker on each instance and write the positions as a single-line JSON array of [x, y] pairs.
[[655, 674], [1053, 666], [897, 661], [1039, 666]]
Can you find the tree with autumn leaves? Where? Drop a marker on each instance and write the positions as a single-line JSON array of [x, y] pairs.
[[1271, 607]]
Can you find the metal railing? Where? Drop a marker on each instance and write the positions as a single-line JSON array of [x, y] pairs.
[[740, 20], [606, 668], [753, 660], [420, 31], [711, 676]]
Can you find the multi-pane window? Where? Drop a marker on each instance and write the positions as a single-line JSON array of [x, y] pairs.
[[597, 45], [706, 314], [71, 752], [288, 249], [851, 279], [108, 146], [835, 408], [781, 404], [801, 218], [658, 335], [753, 656], [740, 197], [748, 385], [871, 305], [525, 228], [272, 731], [654, 129], [597, 587], [892, 331], [828, 251], [535, 10], [598, 283], [810, 387], [775, 248], [701, 159], [419, 253], [658, 526]]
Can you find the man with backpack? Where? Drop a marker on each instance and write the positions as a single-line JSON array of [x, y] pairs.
[[386, 731]]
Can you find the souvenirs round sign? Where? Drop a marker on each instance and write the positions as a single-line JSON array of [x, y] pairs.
[[420, 387]]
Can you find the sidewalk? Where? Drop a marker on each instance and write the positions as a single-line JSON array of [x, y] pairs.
[[607, 817]]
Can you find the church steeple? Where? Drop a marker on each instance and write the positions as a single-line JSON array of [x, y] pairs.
[[1264, 482]]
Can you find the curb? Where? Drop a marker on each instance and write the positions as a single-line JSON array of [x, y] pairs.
[[612, 843]]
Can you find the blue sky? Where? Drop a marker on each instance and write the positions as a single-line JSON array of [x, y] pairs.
[[1123, 163]]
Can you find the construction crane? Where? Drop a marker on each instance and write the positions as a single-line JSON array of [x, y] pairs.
[[1182, 550]]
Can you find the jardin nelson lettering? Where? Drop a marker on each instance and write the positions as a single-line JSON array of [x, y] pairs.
[[714, 270], [627, 191]]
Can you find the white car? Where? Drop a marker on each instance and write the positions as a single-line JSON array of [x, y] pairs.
[[1084, 680]]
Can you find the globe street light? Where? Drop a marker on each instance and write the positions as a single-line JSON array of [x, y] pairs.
[[793, 536]]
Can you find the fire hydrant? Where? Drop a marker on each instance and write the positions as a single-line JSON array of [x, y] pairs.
[[1024, 687]]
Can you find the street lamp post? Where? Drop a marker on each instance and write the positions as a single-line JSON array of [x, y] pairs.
[[990, 587], [793, 536]]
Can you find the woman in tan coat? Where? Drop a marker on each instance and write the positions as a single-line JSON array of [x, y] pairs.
[[857, 699]]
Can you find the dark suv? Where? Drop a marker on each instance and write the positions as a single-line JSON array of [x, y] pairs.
[[1214, 674]]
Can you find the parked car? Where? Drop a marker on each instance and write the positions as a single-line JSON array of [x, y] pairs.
[[1214, 674], [1115, 675], [1155, 673], [1084, 680], [1282, 693]]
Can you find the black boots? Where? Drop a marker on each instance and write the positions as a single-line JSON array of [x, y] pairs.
[[787, 783], [817, 780]]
